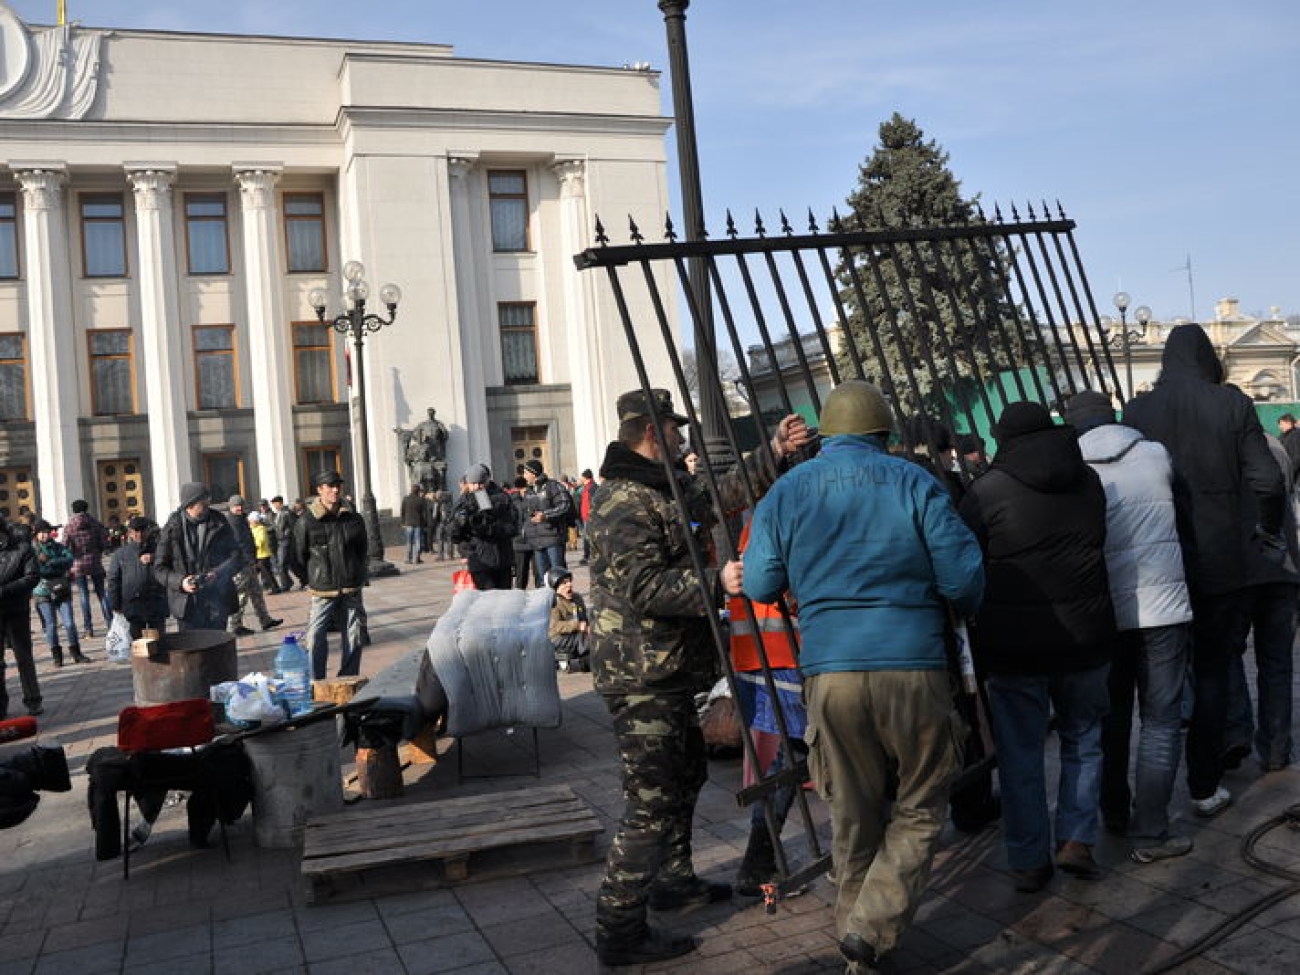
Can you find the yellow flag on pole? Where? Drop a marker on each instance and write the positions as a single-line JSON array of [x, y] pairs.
[[63, 12]]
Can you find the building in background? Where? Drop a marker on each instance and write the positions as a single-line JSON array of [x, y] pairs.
[[176, 196]]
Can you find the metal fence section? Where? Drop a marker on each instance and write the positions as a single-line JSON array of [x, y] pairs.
[[951, 322]]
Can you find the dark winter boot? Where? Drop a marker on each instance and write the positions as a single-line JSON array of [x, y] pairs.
[[759, 865], [56, 652], [77, 656]]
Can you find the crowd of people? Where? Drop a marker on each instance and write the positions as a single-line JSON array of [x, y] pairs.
[[1098, 565]]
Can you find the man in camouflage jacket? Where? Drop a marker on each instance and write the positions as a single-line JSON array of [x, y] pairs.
[[651, 653]]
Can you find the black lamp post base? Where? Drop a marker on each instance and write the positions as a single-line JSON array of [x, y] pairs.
[[378, 568]]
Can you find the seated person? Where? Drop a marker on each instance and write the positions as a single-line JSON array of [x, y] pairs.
[[568, 628]]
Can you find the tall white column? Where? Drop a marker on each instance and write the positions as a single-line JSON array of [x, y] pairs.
[[592, 404], [474, 323], [161, 349], [54, 351], [270, 367]]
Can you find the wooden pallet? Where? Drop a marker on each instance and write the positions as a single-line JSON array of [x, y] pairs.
[[374, 849]]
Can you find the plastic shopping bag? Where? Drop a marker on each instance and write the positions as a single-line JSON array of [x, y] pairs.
[[117, 645]]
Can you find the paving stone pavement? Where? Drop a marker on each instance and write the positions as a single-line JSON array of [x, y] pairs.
[[191, 911]]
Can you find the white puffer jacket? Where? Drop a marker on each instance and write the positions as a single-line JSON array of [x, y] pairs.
[[1143, 557]]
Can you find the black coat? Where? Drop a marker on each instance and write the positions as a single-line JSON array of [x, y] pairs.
[[484, 535], [1226, 483], [18, 573], [219, 554], [333, 547], [1040, 517], [133, 590]]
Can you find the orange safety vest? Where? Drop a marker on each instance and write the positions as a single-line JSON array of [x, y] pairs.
[[771, 631]]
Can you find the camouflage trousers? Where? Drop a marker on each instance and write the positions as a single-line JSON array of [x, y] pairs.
[[661, 749]]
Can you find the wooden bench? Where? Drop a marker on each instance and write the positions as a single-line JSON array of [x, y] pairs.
[[389, 849]]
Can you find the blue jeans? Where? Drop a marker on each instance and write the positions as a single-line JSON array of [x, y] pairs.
[[545, 558], [323, 609], [414, 542], [83, 583], [1157, 662], [1272, 612], [50, 618], [1019, 707]]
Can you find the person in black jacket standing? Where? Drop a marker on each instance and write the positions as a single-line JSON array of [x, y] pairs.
[[483, 523], [18, 577], [330, 540], [197, 561], [1044, 635], [132, 589], [1230, 497]]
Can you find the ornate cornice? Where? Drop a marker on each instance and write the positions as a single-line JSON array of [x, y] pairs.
[[42, 188], [152, 186], [257, 185]]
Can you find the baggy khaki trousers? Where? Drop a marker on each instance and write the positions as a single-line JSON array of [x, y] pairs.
[[866, 727]]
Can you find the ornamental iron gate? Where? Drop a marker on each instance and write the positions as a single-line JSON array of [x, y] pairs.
[[952, 323]]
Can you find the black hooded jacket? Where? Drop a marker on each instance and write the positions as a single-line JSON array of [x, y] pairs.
[[1040, 517], [1226, 483]]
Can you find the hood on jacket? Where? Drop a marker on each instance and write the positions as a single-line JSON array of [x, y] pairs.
[[1108, 443], [1045, 460], [1188, 352], [621, 461]]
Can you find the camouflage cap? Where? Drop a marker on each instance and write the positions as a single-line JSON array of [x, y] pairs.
[[634, 405]]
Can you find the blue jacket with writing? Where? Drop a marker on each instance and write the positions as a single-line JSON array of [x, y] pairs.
[[870, 547]]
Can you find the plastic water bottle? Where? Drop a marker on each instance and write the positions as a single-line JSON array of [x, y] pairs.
[[292, 666]]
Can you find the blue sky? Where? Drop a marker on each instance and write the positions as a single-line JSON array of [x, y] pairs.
[[1165, 128]]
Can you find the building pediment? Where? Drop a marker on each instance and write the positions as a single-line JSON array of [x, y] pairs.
[[1262, 334], [50, 73]]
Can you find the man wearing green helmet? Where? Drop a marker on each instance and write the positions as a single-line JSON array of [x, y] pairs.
[[871, 549]]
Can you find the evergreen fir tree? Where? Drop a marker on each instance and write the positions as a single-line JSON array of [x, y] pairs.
[[956, 288]]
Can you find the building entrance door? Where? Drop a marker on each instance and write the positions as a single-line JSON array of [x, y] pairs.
[[121, 489], [17, 491], [530, 443]]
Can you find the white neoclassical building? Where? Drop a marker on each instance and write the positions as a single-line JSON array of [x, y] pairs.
[[175, 197]]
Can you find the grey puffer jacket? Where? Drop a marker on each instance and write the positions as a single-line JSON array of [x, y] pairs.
[[1144, 560]]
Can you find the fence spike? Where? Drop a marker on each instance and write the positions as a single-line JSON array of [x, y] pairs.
[[1015, 214], [670, 232], [812, 222], [633, 230], [601, 237], [1029, 209], [837, 225], [1060, 209], [979, 208], [759, 229], [997, 213], [785, 224], [732, 232]]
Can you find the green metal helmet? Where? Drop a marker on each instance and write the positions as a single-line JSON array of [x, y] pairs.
[[856, 406]]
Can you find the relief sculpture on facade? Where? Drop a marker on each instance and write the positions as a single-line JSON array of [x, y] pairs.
[[52, 72]]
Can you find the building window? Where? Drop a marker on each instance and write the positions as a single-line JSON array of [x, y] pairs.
[[508, 201], [224, 474], [518, 342], [13, 376], [206, 233], [112, 385], [304, 231], [103, 235], [322, 458], [313, 363], [8, 235], [215, 368]]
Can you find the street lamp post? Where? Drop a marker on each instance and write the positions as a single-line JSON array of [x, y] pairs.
[[355, 323], [1121, 300]]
